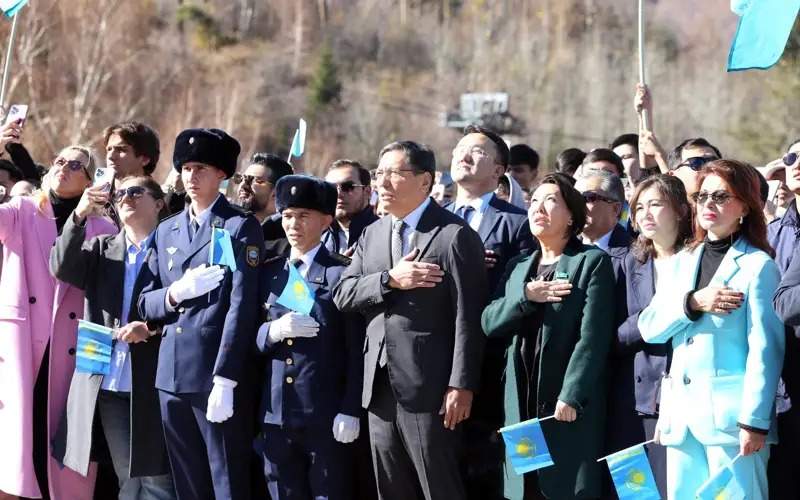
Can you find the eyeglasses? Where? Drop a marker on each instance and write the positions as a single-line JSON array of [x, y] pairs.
[[133, 192], [790, 159], [593, 197], [72, 165], [248, 179], [393, 173], [720, 197], [696, 163], [346, 186], [474, 151]]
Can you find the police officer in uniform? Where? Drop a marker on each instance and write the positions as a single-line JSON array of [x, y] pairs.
[[311, 389], [207, 314]]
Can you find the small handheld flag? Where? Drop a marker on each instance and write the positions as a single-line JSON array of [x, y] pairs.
[[299, 141], [221, 249], [526, 447], [11, 7], [764, 29], [722, 485], [296, 295], [632, 475], [94, 348]]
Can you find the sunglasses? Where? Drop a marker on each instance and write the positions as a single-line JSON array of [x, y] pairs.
[[717, 197], [696, 163], [790, 159], [133, 192], [72, 165], [347, 186], [248, 179], [593, 197]]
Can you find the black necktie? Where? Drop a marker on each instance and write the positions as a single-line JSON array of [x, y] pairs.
[[397, 241], [296, 263]]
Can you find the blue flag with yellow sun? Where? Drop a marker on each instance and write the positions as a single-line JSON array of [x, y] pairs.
[[526, 447], [632, 475], [721, 486], [221, 249], [296, 295], [93, 351]]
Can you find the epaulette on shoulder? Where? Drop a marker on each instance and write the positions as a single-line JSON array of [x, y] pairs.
[[272, 259], [341, 259]]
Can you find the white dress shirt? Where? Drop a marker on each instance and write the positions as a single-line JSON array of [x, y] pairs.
[[479, 205], [412, 220]]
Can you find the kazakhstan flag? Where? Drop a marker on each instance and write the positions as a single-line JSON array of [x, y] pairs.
[[221, 249], [525, 445], [297, 295], [763, 31], [632, 475], [722, 486], [93, 350]]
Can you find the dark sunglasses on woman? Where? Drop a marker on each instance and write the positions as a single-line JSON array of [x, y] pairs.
[[73, 165], [133, 192], [790, 159], [720, 197]]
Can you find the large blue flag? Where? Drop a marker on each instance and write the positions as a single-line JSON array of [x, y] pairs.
[[93, 351], [722, 486], [632, 475], [526, 447], [221, 249], [11, 7], [763, 31], [296, 295]]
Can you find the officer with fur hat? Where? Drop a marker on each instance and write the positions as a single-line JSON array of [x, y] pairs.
[[207, 314], [311, 388]]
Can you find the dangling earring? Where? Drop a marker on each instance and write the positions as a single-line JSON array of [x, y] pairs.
[[741, 220], [569, 223]]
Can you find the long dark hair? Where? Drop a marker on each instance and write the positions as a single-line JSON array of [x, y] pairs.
[[743, 182], [672, 189]]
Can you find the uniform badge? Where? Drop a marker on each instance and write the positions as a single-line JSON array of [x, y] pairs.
[[191, 140], [293, 190], [171, 251], [252, 255], [218, 222]]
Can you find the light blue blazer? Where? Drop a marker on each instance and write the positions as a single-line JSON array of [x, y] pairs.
[[725, 368]]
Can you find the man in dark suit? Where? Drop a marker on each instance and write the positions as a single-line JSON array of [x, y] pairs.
[[256, 193], [479, 160], [207, 314], [353, 211], [418, 277], [311, 387]]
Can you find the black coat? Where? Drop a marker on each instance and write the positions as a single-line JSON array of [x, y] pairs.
[[330, 238]]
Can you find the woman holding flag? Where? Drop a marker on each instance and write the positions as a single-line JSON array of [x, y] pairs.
[[556, 303], [714, 304], [38, 324]]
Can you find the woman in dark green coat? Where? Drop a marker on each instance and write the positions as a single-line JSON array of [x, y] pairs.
[[558, 303]]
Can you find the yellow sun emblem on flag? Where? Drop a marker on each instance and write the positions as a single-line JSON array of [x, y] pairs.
[[89, 349], [526, 448], [636, 480], [722, 494], [299, 290]]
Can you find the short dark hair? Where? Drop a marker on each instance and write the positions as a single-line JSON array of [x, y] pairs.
[[522, 154], [143, 140], [603, 154], [568, 161], [631, 140], [419, 156], [674, 157], [572, 197], [499, 144], [363, 174], [278, 166], [14, 173]]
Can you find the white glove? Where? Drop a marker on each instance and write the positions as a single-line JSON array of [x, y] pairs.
[[345, 428], [196, 282], [292, 325], [220, 401]]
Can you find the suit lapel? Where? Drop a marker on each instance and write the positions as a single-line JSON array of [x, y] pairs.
[[47, 232], [567, 265], [315, 277], [114, 261], [427, 229], [729, 265], [489, 220]]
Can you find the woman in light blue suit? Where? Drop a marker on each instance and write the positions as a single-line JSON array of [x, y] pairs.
[[717, 402]]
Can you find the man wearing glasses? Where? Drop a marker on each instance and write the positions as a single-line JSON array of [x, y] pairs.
[[418, 278], [256, 193], [353, 211], [688, 158]]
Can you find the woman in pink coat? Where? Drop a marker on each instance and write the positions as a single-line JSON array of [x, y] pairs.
[[38, 329]]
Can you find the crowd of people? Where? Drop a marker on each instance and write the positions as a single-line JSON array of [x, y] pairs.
[[374, 328]]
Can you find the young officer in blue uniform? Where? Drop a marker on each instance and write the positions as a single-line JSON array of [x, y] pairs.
[[310, 403], [208, 315]]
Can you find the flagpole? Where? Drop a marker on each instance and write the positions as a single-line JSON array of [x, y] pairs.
[[644, 123], [538, 420], [626, 449], [7, 64]]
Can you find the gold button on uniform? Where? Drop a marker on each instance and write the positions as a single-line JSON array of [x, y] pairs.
[[289, 380], [289, 361], [179, 330], [181, 310], [289, 342]]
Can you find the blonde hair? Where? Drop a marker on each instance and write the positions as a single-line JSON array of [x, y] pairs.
[[42, 194]]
